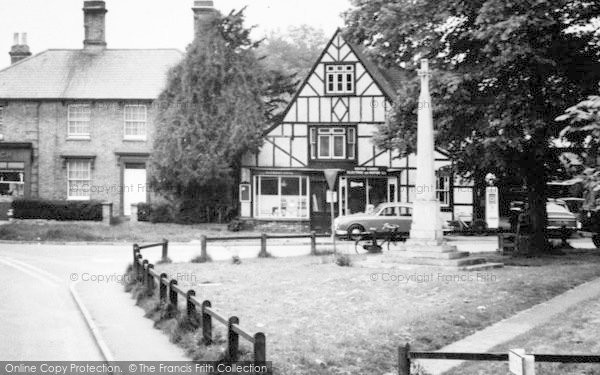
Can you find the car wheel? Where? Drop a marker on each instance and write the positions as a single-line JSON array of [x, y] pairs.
[[596, 240], [355, 232]]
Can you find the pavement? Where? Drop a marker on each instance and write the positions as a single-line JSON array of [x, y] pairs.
[[43, 290], [514, 326]]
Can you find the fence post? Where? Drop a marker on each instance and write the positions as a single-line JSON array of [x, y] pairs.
[[203, 252], [140, 267], [163, 287], [260, 347], [172, 293], [263, 246], [206, 323], [404, 360], [145, 272], [136, 250], [191, 308], [313, 243], [165, 250], [233, 339], [150, 281]]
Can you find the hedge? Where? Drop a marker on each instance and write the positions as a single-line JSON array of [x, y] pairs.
[[57, 210]]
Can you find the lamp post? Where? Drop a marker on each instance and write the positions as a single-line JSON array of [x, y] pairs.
[[331, 177]]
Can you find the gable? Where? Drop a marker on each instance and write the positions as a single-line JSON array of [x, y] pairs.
[[368, 102]]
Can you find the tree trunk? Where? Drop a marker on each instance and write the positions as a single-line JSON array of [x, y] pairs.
[[536, 197], [479, 185]]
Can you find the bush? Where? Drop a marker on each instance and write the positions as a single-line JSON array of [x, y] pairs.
[[155, 213], [343, 260], [57, 210]]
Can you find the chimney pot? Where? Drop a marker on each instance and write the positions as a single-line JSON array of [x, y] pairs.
[[94, 20], [20, 50]]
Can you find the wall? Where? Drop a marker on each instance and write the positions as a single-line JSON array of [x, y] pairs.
[[44, 124]]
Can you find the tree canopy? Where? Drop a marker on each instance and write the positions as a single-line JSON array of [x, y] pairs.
[[216, 104], [504, 69]]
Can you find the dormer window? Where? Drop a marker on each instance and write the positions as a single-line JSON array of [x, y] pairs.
[[339, 78]]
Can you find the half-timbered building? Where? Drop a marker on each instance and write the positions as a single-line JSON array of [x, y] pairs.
[[330, 124]]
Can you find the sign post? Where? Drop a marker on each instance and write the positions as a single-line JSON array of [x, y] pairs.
[[331, 177]]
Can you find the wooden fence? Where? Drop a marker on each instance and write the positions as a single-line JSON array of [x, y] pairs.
[[204, 240], [405, 355], [169, 292]]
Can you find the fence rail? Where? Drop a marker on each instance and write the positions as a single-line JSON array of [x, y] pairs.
[[263, 238], [405, 355], [169, 292]]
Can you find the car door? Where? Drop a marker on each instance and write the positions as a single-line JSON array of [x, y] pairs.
[[404, 219], [387, 215]]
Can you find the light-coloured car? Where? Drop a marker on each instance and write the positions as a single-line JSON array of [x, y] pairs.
[[399, 214]]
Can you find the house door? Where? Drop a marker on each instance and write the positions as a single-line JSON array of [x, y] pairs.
[[134, 189], [320, 212]]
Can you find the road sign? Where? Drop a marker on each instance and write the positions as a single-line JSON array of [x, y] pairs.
[[331, 176]]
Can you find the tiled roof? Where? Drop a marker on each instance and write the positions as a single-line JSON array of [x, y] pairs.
[[390, 80], [78, 74]]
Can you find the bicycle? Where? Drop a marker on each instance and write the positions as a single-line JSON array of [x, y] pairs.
[[367, 241]]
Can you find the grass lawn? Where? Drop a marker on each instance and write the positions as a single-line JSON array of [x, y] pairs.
[[320, 318], [573, 332], [123, 232]]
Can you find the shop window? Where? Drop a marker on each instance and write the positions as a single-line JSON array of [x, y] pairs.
[[332, 143], [12, 182], [281, 197]]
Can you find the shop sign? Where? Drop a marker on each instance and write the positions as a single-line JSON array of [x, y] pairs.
[[367, 171]]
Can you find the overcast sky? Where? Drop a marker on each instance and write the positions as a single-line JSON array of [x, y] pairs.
[[149, 23]]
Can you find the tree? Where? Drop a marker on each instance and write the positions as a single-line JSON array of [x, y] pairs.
[[504, 70], [293, 51], [217, 102], [583, 127]]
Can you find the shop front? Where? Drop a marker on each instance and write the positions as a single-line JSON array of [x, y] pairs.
[[15, 174]]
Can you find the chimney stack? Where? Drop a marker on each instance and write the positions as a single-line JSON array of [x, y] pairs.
[[94, 16], [20, 49], [204, 13]]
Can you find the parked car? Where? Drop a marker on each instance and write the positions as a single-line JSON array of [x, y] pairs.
[[562, 223], [399, 214]]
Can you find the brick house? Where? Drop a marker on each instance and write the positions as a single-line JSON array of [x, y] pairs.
[[329, 124], [79, 124]]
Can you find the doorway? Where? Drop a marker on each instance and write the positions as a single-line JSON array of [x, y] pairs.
[[320, 212], [134, 186]]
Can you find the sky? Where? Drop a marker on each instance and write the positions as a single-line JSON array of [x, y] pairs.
[[150, 23]]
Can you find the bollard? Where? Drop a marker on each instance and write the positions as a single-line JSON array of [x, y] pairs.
[[203, 252], [206, 323], [263, 246], [165, 250], [172, 293], [191, 308], [150, 281], [313, 243], [404, 360], [260, 347], [163, 287], [233, 339]]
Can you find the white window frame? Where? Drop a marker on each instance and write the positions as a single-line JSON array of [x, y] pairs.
[[445, 192], [80, 120], [331, 133], [143, 122], [333, 73], [69, 179], [257, 193]]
